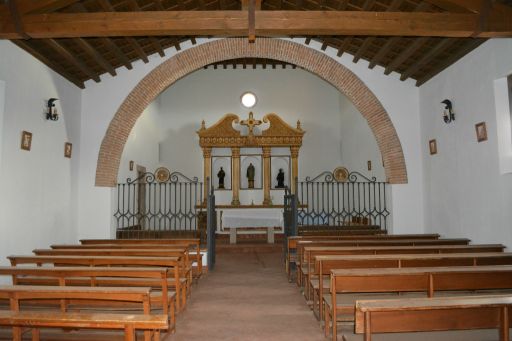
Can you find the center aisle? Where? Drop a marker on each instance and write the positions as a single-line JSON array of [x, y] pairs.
[[247, 297]]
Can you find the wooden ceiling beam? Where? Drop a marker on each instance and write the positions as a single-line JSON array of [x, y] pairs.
[[468, 47], [117, 51], [394, 6], [98, 58], [67, 55], [51, 64], [391, 42], [42, 6], [402, 57], [439, 48], [268, 23]]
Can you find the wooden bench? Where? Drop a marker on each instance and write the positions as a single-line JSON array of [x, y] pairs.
[[325, 264], [130, 323], [171, 262], [291, 243], [428, 314], [425, 281], [177, 251], [312, 251], [153, 277], [194, 245], [368, 243], [16, 294]]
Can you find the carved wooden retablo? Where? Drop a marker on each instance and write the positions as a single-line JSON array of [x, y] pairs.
[[223, 134]]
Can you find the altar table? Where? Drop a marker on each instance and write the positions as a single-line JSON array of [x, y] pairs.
[[255, 217]]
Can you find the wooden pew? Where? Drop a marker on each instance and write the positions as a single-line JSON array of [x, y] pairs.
[[194, 244], [311, 251], [426, 280], [177, 251], [357, 243], [153, 277], [291, 242], [171, 262], [324, 264], [16, 294], [434, 314]]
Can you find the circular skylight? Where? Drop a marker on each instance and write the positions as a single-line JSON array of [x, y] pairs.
[[248, 99]]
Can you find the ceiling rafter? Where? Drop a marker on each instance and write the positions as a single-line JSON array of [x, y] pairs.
[[395, 5], [438, 48], [51, 64], [67, 55], [89, 49], [405, 54]]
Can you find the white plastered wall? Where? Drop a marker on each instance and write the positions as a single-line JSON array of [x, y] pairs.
[[38, 194], [400, 99], [466, 194]]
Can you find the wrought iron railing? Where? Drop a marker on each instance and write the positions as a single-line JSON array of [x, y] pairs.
[[147, 204], [357, 201]]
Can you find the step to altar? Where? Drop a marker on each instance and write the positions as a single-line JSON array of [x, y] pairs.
[[245, 237]]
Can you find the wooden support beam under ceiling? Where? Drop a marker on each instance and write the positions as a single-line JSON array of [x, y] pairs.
[[98, 58], [67, 55], [268, 23], [443, 45]]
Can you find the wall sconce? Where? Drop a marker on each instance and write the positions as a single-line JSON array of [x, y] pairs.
[[52, 111], [448, 114]]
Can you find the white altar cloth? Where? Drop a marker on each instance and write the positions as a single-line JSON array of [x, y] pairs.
[[252, 217]]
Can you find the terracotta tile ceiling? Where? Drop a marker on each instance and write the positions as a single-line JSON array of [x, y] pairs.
[[84, 58]]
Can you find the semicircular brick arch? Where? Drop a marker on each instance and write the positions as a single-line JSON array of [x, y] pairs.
[[197, 57]]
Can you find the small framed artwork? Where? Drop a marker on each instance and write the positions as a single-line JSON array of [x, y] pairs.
[[369, 164], [26, 140], [432, 144], [68, 148], [130, 165], [481, 132]]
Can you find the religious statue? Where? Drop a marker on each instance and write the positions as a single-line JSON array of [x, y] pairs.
[[250, 175], [221, 174], [280, 179]]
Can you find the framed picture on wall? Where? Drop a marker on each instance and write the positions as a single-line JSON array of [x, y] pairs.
[[26, 140], [432, 144], [68, 148], [481, 132]]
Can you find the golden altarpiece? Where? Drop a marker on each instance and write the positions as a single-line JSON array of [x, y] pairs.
[[222, 134]]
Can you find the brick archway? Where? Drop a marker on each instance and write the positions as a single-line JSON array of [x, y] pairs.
[[197, 57]]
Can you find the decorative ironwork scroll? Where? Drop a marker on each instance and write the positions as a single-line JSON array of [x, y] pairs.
[[357, 201], [148, 204]]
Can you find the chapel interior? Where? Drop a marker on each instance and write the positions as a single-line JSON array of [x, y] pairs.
[[255, 170]]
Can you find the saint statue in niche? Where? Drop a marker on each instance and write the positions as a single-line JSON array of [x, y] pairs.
[[250, 175], [280, 179], [221, 174]]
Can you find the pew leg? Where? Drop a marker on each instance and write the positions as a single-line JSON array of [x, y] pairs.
[[129, 333], [16, 333], [156, 336], [334, 321], [147, 335], [367, 327], [504, 327], [327, 321], [35, 334]]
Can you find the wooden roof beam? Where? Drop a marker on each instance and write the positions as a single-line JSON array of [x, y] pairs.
[[117, 51], [468, 47], [439, 48], [98, 58], [52, 65], [402, 57], [64, 53], [268, 23], [42, 6], [395, 5]]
